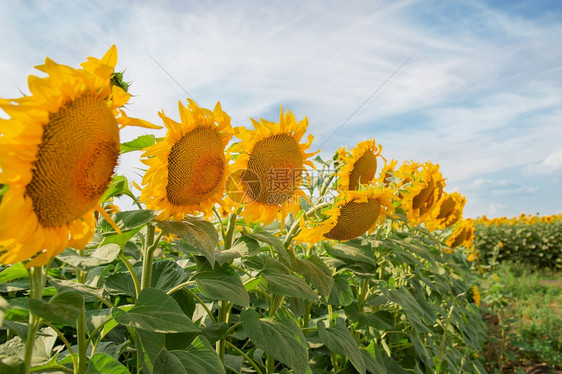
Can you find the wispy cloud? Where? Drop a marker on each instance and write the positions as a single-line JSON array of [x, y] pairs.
[[503, 187], [551, 165], [481, 94]]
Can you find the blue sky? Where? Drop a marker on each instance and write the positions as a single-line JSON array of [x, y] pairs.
[[481, 94]]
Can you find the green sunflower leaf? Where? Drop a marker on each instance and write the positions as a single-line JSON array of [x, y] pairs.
[[102, 363], [280, 337], [138, 144], [339, 339], [157, 312], [63, 308]]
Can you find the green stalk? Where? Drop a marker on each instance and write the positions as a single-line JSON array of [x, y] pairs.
[[36, 283], [81, 328], [31, 331], [220, 222], [307, 311], [330, 314], [180, 286], [294, 230], [276, 301], [132, 271], [230, 231], [136, 340], [150, 247], [447, 324], [316, 208], [202, 303], [326, 184], [364, 291], [81, 338], [243, 354], [224, 316], [270, 363], [232, 328], [96, 331]]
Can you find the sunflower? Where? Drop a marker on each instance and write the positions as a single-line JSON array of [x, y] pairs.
[[423, 190], [387, 173], [353, 214], [447, 211], [463, 234], [473, 255], [270, 166], [187, 170], [359, 164], [58, 150], [475, 295]]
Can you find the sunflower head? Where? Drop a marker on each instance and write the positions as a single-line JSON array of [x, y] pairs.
[[187, 169], [423, 190], [269, 167], [475, 295], [387, 173], [447, 211], [473, 254], [58, 150], [359, 164], [353, 214], [463, 234]]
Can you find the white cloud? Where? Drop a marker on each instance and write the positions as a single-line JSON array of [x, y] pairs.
[[501, 187], [551, 165]]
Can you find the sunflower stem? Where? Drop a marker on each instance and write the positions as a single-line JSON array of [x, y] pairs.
[[224, 316], [82, 343], [150, 246], [132, 271], [220, 223], [446, 328], [81, 327], [316, 208], [36, 283], [230, 231], [180, 286], [307, 312], [202, 303], [326, 184], [270, 362], [293, 230], [243, 354]]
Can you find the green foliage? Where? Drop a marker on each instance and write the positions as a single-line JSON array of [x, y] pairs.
[[217, 297], [525, 316], [537, 244]]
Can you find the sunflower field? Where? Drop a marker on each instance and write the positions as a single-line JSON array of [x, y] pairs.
[[246, 251], [527, 239]]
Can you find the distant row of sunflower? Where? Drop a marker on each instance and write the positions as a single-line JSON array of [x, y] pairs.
[[523, 219], [60, 146]]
